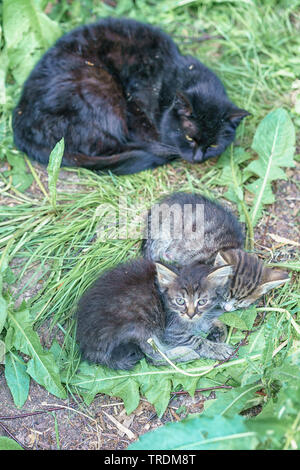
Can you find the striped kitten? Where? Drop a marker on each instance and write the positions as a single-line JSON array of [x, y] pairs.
[[184, 227], [250, 281], [187, 228], [139, 300]]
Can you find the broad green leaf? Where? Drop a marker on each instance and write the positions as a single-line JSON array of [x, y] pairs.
[[3, 69], [159, 396], [53, 169], [233, 319], [17, 378], [28, 33], [21, 179], [232, 402], [242, 319], [154, 382], [270, 431], [252, 373], [41, 367], [286, 373], [2, 351], [270, 333], [9, 444], [274, 142], [200, 433]]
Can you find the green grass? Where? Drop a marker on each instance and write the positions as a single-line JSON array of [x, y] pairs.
[[256, 54]]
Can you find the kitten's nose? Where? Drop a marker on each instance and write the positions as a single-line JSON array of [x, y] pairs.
[[191, 312], [228, 306], [198, 156]]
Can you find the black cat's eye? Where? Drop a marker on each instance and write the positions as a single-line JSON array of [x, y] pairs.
[[213, 146], [202, 302], [180, 301], [189, 138]]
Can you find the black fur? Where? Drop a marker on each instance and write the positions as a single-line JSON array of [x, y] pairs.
[[124, 99]]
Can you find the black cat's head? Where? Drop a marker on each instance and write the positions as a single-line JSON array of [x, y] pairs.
[[194, 290], [200, 124]]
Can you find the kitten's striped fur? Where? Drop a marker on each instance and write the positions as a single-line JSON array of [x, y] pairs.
[[251, 278], [219, 241]]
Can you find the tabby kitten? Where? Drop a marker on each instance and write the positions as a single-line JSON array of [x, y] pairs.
[[251, 279], [139, 300], [187, 228], [124, 99]]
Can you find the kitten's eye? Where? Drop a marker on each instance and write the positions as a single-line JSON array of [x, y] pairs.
[[213, 146], [189, 138], [202, 301], [180, 301]]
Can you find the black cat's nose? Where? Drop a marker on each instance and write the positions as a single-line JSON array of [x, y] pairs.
[[198, 155]]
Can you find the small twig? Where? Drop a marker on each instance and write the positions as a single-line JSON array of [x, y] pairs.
[[13, 437], [25, 415], [207, 389], [243, 342], [64, 407], [120, 426]]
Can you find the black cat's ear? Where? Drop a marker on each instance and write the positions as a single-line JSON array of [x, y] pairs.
[[271, 279], [236, 115], [165, 276], [182, 104], [220, 276]]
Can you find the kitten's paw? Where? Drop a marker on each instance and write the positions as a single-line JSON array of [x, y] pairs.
[[218, 351], [182, 354], [218, 332], [223, 352]]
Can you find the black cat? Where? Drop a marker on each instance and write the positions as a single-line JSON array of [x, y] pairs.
[[124, 99]]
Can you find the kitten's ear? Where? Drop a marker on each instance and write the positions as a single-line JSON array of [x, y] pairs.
[[236, 115], [165, 276], [220, 276], [182, 104], [272, 278], [222, 259]]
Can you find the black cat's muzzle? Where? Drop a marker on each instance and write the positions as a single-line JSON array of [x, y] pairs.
[[198, 156]]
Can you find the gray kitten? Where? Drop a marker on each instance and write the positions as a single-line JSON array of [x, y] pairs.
[[139, 300], [186, 228]]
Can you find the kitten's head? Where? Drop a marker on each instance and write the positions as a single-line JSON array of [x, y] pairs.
[[251, 279], [194, 290], [201, 126]]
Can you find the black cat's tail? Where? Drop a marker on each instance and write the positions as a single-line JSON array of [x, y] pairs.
[[132, 160], [124, 163]]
